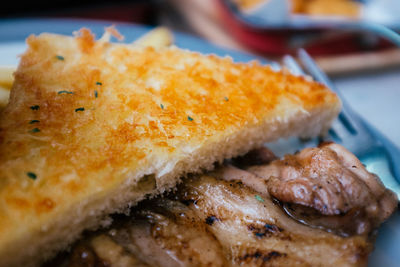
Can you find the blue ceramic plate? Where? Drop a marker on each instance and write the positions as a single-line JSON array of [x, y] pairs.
[[14, 32]]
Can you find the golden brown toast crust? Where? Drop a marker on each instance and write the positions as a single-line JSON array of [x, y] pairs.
[[88, 118]]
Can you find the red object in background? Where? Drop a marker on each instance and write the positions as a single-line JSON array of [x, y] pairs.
[[287, 41], [136, 11], [126, 12]]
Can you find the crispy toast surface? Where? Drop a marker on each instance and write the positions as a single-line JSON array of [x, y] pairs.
[[92, 127]]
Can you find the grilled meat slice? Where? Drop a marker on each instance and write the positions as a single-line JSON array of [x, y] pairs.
[[257, 232], [160, 232], [233, 217], [332, 181]]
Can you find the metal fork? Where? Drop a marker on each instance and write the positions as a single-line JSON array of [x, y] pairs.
[[374, 150]]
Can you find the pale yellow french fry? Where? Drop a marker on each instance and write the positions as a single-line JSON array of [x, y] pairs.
[[4, 96], [6, 76], [158, 37]]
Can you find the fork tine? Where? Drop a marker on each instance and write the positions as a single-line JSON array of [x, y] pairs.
[[315, 71], [347, 115], [292, 65], [337, 130], [341, 131]]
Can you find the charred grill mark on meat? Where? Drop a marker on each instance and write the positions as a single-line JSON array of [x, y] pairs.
[[265, 230]]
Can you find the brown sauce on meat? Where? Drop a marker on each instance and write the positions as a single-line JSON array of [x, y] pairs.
[[351, 223]]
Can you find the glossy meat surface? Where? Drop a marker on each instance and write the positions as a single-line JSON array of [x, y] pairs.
[[229, 218], [332, 181]]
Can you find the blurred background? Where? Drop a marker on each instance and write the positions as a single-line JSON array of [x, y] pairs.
[[328, 29]]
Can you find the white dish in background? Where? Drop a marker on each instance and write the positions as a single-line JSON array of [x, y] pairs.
[[276, 14]]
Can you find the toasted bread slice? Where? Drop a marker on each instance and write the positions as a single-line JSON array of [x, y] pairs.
[[93, 127]]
